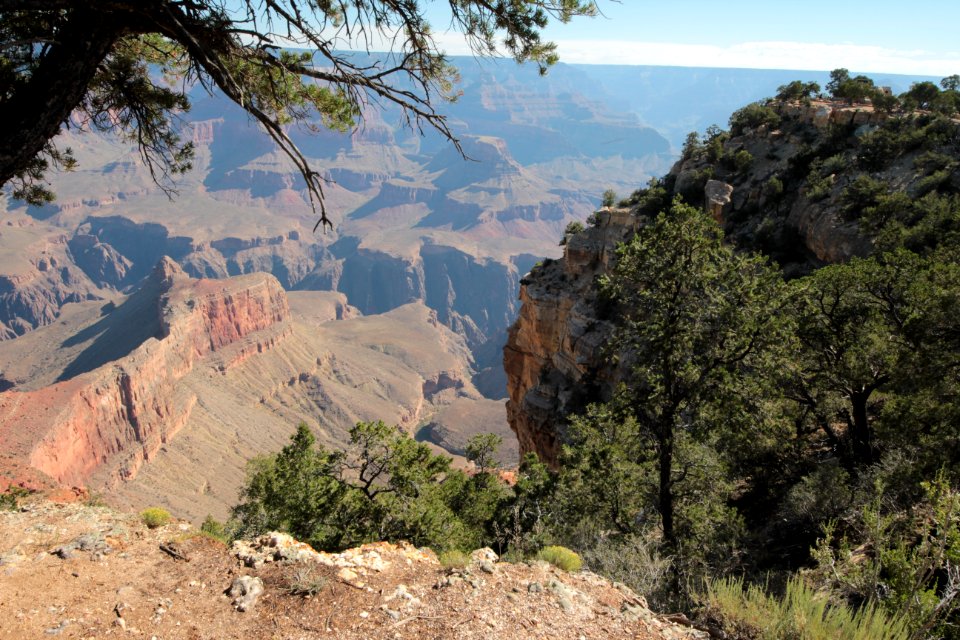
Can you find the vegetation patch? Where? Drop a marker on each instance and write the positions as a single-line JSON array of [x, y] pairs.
[[154, 517], [561, 557]]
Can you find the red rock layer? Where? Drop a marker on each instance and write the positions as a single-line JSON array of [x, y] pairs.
[[121, 413]]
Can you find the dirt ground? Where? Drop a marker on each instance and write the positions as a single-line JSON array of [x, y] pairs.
[[81, 571]]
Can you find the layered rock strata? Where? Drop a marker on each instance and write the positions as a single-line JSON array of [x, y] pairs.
[[555, 353], [117, 416]]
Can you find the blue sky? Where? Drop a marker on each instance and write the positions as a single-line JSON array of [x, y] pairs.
[[918, 37]]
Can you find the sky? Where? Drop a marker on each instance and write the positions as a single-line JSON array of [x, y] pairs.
[[918, 37]]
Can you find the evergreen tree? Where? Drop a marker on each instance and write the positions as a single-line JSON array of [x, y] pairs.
[[699, 328]]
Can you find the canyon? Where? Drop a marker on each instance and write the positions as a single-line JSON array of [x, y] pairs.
[[165, 394], [149, 346]]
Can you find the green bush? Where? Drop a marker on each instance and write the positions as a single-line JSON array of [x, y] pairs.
[[10, 499], [454, 559], [749, 613], [742, 160], [752, 116], [384, 486], [561, 557], [155, 517], [213, 528], [572, 229]]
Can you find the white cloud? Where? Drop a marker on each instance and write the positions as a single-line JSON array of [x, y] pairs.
[[749, 55], [763, 55]]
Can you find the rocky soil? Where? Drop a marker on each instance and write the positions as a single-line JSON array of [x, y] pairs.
[[83, 571]]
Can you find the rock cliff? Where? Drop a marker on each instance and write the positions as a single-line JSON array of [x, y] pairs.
[[117, 415], [37, 276], [554, 356], [789, 188]]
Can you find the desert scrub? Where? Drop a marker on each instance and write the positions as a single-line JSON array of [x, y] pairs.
[[454, 559], [10, 499], [561, 557], [155, 517], [305, 582], [749, 613]]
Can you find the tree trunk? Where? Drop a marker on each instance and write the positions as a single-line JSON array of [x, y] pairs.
[[34, 113], [860, 435], [665, 461]]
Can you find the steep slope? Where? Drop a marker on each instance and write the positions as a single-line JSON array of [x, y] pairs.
[[554, 356], [119, 414]]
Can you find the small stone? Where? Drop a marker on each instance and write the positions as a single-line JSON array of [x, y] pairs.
[[245, 591], [484, 554], [364, 614], [120, 622], [487, 566], [55, 631], [347, 575], [88, 542], [395, 615], [535, 587], [64, 552]]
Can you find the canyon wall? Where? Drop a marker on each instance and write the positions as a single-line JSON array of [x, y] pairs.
[[554, 357], [118, 415]]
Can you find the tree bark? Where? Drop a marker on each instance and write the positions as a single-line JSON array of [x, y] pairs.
[[861, 436], [665, 498], [34, 113]]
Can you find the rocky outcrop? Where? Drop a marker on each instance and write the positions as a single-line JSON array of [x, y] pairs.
[[765, 187], [554, 357], [118, 415]]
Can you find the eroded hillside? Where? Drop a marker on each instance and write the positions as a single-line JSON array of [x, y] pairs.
[[164, 395]]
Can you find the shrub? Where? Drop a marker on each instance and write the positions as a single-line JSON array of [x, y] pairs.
[[834, 164], [913, 577], [304, 582], [155, 517], [797, 90], [609, 198], [10, 499], [774, 187], [818, 188], [454, 559], [384, 486], [691, 146], [752, 116], [742, 160], [750, 613], [561, 557], [572, 229], [213, 528]]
